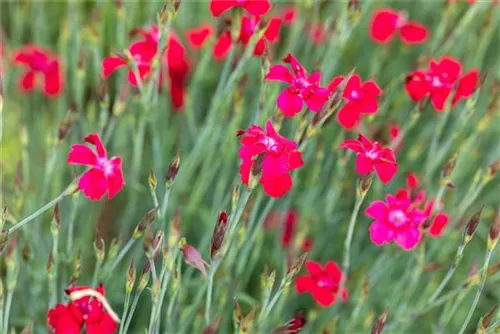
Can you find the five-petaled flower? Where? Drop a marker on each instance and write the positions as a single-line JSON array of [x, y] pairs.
[[437, 219], [371, 155], [105, 175], [88, 308], [387, 22], [270, 153], [249, 25], [322, 283], [395, 221], [302, 88], [443, 77], [42, 68], [360, 98], [254, 7]]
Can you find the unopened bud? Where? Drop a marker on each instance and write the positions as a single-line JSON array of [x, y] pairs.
[[472, 226], [145, 222], [152, 180], [172, 171], [247, 322], [55, 222], [4, 236], [449, 166], [494, 167], [192, 257], [493, 269], [494, 233], [113, 248], [144, 278], [26, 251], [364, 184], [485, 320], [380, 323], [294, 270], [156, 244], [64, 127], [237, 314], [131, 274], [255, 172], [175, 229], [99, 247], [219, 232]]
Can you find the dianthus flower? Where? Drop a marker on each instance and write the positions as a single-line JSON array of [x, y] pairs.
[[254, 7], [387, 22]]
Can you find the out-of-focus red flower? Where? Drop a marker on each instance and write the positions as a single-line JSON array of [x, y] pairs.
[[271, 153], [394, 133], [249, 25], [105, 175], [360, 98], [42, 68], [289, 15], [439, 220], [86, 310], [370, 156], [291, 219], [443, 77], [317, 33], [1, 59], [307, 245], [198, 36], [387, 22], [254, 7], [143, 51], [302, 88], [395, 221], [322, 282], [294, 325]]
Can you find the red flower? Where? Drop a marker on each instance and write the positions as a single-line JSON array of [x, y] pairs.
[[317, 34], [199, 35], [395, 221], [302, 88], [105, 175], [254, 7], [291, 219], [370, 155], [288, 15], [443, 76], [278, 156], [322, 282], [42, 68], [249, 25], [386, 22], [360, 98], [87, 307]]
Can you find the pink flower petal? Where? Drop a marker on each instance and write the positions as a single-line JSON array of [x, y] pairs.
[[416, 86], [53, 80], [295, 160], [409, 238], [439, 98], [353, 144], [61, 320], [222, 45], [105, 325], [272, 33], [27, 81], [199, 35], [297, 67], [317, 100], [438, 225], [81, 155], [323, 296], [413, 33], [383, 25], [257, 7], [377, 210], [386, 171], [333, 271], [217, 7], [111, 64], [95, 140], [115, 180], [279, 73], [348, 117], [289, 102], [93, 184], [354, 83], [380, 233], [277, 187], [364, 165], [333, 85]]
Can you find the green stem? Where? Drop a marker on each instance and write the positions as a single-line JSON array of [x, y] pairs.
[[213, 268], [120, 256], [132, 309], [484, 275], [7, 311], [125, 311]]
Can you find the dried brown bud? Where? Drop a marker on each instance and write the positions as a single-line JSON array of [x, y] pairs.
[[56, 222], [237, 314], [380, 323], [173, 169], [26, 251], [219, 232], [50, 265], [145, 222], [144, 278], [472, 225], [432, 267], [99, 247], [449, 166], [493, 269], [131, 274], [64, 127], [294, 270], [485, 320], [192, 257], [4, 236], [175, 229], [152, 180], [494, 233]]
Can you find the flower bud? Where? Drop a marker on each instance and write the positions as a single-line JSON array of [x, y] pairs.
[[255, 171], [145, 222], [99, 247], [472, 226], [364, 184], [172, 171], [294, 270], [113, 248], [449, 166], [247, 322], [380, 323], [152, 180], [50, 266], [131, 274], [55, 227], [175, 229], [64, 127], [144, 278], [192, 257], [493, 269], [237, 314], [494, 233], [219, 232], [485, 320]]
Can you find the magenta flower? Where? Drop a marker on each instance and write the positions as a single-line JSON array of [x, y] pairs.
[[302, 88], [370, 155], [105, 175], [278, 155], [395, 221]]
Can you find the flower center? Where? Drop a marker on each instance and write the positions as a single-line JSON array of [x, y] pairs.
[[356, 95], [325, 282], [398, 218], [272, 145], [301, 83], [105, 165], [372, 154]]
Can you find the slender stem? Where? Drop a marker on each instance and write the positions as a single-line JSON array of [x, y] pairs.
[[484, 275], [449, 274], [120, 256], [7, 311], [213, 268], [496, 325], [164, 203], [97, 270], [132, 309]]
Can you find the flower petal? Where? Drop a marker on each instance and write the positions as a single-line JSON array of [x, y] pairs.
[[333, 271], [416, 86], [304, 284], [438, 225], [353, 83], [364, 165], [323, 296], [353, 144], [466, 85], [317, 100], [222, 45], [81, 155], [376, 210], [144, 71], [199, 35], [385, 170], [314, 268], [61, 320], [409, 238], [297, 67], [279, 73], [272, 33], [333, 85], [383, 25], [289, 102], [93, 184], [257, 7], [95, 140], [439, 98], [277, 187], [295, 160], [27, 81], [110, 64], [53, 80], [380, 233], [217, 7], [348, 117], [106, 325], [115, 180], [413, 33]]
